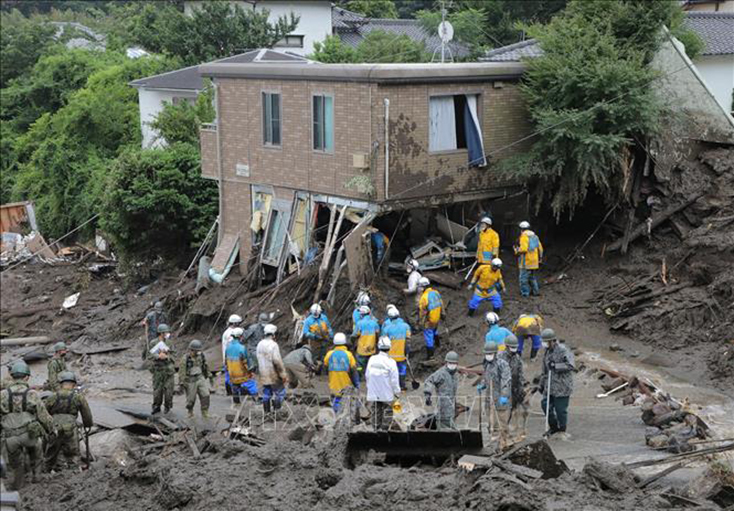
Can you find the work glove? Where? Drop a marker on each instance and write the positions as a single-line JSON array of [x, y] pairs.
[[552, 365], [428, 400], [481, 388], [471, 285], [503, 401]]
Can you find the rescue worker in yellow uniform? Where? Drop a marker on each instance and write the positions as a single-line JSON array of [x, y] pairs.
[[488, 246], [317, 333], [529, 255], [487, 284], [398, 331], [366, 331], [342, 368], [528, 326], [430, 312]]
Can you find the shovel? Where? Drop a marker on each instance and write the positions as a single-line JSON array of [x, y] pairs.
[[599, 396], [414, 383]]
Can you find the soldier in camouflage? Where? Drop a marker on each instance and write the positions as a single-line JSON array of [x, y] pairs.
[[65, 405], [152, 320], [195, 375], [497, 378], [164, 372], [558, 362], [519, 402], [56, 366], [24, 422], [444, 383]]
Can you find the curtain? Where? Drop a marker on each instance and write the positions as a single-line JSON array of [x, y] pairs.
[[442, 130], [328, 123], [474, 139]]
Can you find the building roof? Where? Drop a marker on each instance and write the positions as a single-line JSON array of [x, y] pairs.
[[372, 73], [352, 28], [189, 78], [716, 29], [514, 52]]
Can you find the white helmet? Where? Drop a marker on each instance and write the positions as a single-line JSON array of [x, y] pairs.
[[424, 282], [413, 264], [364, 310], [392, 311], [340, 339], [497, 262], [486, 220], [384, 344], [235, 319], [492, 318], [315, 310], [524, 225], [270, 329], [238, 332], [363, 298]]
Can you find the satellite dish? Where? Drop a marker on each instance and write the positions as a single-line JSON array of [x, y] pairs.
[[445, 31]]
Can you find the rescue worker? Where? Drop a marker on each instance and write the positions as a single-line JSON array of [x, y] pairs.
[[65, 405], [496, 333], [444, 383], [383, 385], [317, 332], [56, 366], [342, 368], [24, 420], [239, 377], [253, 335], [367, 331], [233, 322], [194, 375], [299, 367], [362, 299], [528, 326], [487, 283], [380, 247], [164, 373], [529, 256], [558, 366], [272, 374], [430, 310], [151, 321], [414, 276], [497, 378], [519, 400], [488, 245], [391, 314], [398, 331]]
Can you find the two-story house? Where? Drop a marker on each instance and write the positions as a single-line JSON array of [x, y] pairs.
[[292, 142]]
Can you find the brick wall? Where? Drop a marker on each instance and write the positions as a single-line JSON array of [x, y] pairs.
[[208, 138]]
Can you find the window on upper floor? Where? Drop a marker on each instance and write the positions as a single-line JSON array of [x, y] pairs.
[[454, 124], [323, 123], [271, 118], [290, 41]]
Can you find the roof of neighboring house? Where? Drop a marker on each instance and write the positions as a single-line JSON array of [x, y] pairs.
[[716, 29], [189, 78], [352, 28], [514, 52], [372, 73]]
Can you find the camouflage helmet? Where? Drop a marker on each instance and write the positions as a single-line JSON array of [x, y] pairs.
[[60, 346], [158, 306], [20, 369], [163, 329], [67, 376], [196, 345], [511, 342], [490, 348], [452, 357], [548, 335]]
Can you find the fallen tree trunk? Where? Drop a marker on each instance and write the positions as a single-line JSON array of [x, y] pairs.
[[659, 219], [23, 341]]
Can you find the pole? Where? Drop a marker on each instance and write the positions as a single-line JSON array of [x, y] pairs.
[[470, 271], [547, 402], [88, 459], [443, 43]]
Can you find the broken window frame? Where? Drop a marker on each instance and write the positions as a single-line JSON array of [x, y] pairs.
[[272, 133], [322, 123], [278, 224]]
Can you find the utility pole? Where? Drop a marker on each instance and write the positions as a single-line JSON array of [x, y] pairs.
[[443, 42]]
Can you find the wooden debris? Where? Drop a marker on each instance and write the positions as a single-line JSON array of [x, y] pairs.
[[192, 446], [683, 456], [24, 341], [655, 477]]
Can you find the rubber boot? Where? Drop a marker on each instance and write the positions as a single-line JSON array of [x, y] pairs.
[[533, 353], [429, 353], [205, 407], [266, 406], [166, 410], [401, 378], [156, 410], [470, 312], [190, 413]]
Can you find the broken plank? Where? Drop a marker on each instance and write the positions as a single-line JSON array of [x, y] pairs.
[[518, 470], [469, 462], [192, 445], [23, 341], [99, 351], [510, 478], [655, 477], [442, 279], [683, 456]]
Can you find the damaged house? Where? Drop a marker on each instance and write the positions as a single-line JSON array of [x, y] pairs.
[[319, 157]]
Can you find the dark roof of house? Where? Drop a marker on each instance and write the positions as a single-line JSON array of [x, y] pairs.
[[716, 29], [189, 78], [514, 52], [352, 28]]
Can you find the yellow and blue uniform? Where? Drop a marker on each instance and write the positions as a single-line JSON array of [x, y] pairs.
[[430, 307], [342, 373], [399, 333], [318, 333], [529, 253], [356, 316], [528, 325], [367, 330], [239, 376], [488, 246], [487, 286], [497, 334]]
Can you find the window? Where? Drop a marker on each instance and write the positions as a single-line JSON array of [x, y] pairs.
[[274, 238], [454, 124], [271, 118], [290, 41], [323, 123]]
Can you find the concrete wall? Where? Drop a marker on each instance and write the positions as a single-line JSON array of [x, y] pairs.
[[718, 72], [151, 103], [314, 23], [713, 6]]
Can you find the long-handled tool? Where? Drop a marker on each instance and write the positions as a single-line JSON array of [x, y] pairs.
[[471, 270], [599, 396], [414, 383], [547, 402]]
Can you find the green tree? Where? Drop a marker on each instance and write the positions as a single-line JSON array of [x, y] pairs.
[[22, 42], [181, 122], [468, 26], [157, 204], [333, 51], [373, 8], [380, 47]]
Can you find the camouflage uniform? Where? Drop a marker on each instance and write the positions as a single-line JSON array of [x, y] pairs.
[[164, 371], [498, 379], [559, 361], [152, 320], [194, 374], [56, 366], [443, 383], [520, 399], [65, 405], [24, 421]]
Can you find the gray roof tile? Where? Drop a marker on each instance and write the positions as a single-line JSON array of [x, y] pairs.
[[716, 29], [514, 52]]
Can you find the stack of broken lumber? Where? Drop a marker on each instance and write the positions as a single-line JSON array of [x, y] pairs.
[[672, 426]]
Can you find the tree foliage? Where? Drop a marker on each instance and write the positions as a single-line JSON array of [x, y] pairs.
[[373, 8], [590, 97], [156, 203], [181, 122], [22, 42], [377, 47]]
